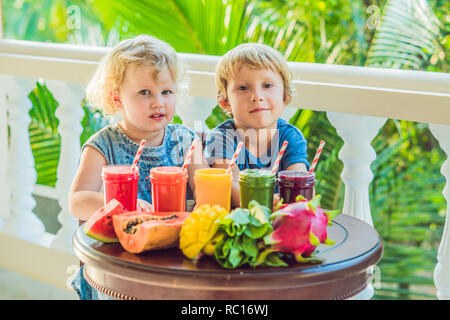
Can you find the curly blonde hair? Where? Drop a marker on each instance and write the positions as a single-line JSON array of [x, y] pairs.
[[253, 55], [141, 50]]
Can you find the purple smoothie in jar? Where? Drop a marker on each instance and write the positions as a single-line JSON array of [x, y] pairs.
[[292, 183]]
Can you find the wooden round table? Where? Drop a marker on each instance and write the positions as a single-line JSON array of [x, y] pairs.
[[167, 274]]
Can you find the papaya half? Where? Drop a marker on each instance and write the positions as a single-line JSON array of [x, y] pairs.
[[141, 231]]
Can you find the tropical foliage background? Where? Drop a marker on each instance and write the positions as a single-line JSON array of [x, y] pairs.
[[406, 194]]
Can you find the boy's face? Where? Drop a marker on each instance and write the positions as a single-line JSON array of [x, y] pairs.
[[255, 98], [147, 104]]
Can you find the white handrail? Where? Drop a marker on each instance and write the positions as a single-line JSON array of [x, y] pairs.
[[408, 95], [50, 49], [308, 72]]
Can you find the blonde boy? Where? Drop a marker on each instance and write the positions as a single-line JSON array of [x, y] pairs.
[[254, 87]]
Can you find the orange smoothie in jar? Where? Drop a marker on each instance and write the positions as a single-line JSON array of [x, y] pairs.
[[213, 186], [168, 189]]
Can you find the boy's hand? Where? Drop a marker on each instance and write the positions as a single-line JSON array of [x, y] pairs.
[[144, 206], [276, 200]]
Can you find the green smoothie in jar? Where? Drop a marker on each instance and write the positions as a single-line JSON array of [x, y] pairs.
[[257, 184]]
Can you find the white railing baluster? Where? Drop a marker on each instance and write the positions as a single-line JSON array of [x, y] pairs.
[[70, 113], [4, 187], [442, 270], [357, 154], [194, 110], [21, 175]]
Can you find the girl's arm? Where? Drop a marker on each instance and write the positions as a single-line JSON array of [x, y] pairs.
[[197, 162], [235, 189], [85, 196]]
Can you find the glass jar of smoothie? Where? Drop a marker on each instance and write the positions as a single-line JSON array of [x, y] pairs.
[[257, 184], [213, 187], [292, 183], [121, 183], [168, 189]]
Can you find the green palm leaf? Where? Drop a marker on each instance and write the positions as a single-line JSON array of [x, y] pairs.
[[189, 26], [93, 121], [44, 20], [43, 131], [44, 137], [409, 35]]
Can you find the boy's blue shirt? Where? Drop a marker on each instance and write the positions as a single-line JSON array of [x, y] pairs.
[[222, 141]]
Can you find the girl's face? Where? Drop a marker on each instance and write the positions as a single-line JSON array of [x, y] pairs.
[[255, 98], [147, 102]]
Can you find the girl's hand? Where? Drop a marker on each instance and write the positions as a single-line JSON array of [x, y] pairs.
[[144, 206], [276, 200]]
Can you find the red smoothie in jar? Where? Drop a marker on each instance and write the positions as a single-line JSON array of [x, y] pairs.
[[120, 183], [168, 189], [292, 183]]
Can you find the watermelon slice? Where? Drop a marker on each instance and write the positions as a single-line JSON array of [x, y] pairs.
[[100, 224]]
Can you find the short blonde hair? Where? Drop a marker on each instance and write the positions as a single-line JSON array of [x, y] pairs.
[[253, 55], [141, 50]]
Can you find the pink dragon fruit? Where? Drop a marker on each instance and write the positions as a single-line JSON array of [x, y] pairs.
[[299, 228]]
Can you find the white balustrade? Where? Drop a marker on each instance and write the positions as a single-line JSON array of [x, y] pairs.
[[442, 270], [21, 175], [357, 154], [70, 113], [194, 111], [4, 187]]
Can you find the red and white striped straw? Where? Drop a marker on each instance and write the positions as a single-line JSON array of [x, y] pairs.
[[235, 155], [138, 154], [189, 156], [316, 157], [279, 156]]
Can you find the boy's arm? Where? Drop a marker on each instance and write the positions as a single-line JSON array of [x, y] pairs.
[[197, 162], [85, 196], [297, 166], [295, 157], [235, 189]]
